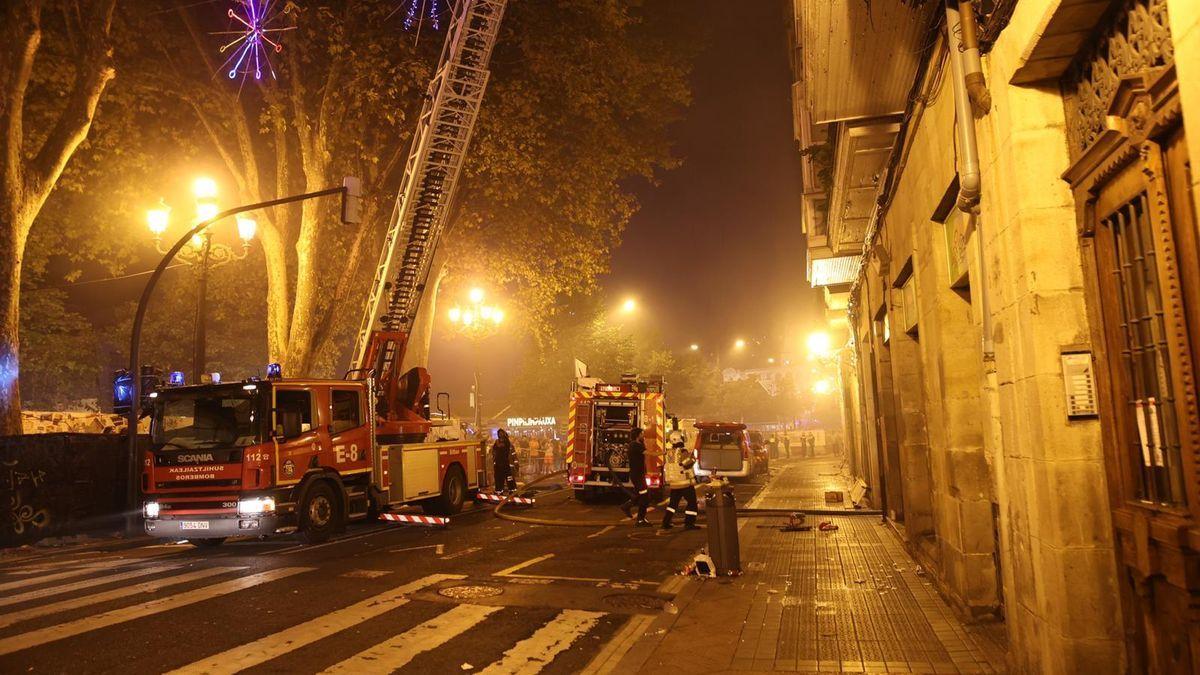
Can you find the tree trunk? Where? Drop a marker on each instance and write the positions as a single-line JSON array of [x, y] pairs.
[[12, 242], [304, 313], [278, 307], [421, 337]]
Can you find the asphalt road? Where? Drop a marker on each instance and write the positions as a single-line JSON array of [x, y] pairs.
[[483, 595]]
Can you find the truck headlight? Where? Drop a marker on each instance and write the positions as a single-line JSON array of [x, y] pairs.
[[150, 509], [256, 506]]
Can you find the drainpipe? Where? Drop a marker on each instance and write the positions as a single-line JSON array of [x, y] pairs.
[[981, 98], [969, 182]]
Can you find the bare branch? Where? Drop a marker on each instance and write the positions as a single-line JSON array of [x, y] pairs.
[[22, 34], [76, 118]]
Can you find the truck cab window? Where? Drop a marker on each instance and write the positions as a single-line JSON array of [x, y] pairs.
[[345, 410], [293, 413]]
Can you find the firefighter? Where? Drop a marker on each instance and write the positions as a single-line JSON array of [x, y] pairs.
[[637, 475], [679, 468], [502, 455]]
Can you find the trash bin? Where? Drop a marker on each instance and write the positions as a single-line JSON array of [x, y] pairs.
[[721, 513]]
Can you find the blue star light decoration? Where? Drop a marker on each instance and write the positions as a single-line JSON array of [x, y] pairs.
[[417, 11], [251, 21]]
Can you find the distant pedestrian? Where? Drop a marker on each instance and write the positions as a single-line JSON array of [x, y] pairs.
[[787, 445], [502, 457], [637, 476], [548, 458], [679, 469], [810, 444], [773, 448]]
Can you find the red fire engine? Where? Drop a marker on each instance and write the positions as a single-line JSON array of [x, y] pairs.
[[599, 421], [256, 457]]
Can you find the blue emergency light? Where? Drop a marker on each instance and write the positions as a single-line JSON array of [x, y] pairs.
[[274, 371], [122, 391], [176, 378]]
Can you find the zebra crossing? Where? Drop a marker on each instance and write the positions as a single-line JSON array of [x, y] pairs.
[[69, 599]]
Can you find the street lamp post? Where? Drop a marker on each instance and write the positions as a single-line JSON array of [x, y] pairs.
[[202, 256], [351, 196], [476, 321]]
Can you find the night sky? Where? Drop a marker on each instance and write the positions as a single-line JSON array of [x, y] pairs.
[[716, 251]]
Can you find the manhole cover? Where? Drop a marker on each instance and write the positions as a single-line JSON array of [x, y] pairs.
[[470, 592], [634, 601]]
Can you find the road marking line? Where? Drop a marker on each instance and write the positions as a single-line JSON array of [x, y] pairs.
[[399, 651], [416, 548], [115, 594], [610, 656], [514, 535], [90, 623], [277, 644], [312, 547], [531, 655], [148, 554], [465, 551], [86, 583], [602, 531], [91, 567], [509, 570]]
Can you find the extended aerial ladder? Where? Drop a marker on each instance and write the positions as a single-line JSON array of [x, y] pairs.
[[431, 176]]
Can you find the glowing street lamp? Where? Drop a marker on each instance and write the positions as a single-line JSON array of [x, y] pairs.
[[819, 344], [629, 306], [739, 344], [822, 387], [246, 228], [204, 188], [158, 219], [476, 321], [694, 347], [203, 254], [771, 360]]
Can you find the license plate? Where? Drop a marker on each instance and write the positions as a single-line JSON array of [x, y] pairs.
[[193, 525]]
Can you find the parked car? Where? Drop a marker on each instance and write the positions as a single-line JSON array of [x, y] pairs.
[[724, 450]]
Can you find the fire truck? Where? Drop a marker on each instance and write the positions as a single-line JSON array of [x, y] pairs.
[[600, 419], [270, 455]]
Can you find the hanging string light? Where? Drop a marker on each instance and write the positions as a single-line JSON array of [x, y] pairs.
[[251, 21], [418, 10]]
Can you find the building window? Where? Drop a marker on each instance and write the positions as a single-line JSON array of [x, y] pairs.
[[1144, 354], [293, 407], [345, 410], [908, 304]]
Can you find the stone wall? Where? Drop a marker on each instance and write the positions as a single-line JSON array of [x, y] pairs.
[[60, 484], [52, 422]]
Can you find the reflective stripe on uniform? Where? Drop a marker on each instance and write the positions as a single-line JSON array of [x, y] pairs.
[[642, 492], [691, 513], [671, 509]]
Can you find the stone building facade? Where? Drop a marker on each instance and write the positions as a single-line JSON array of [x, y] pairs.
[[1015, 270]]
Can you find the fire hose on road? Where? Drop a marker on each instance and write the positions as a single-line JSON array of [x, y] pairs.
[[741, 512]]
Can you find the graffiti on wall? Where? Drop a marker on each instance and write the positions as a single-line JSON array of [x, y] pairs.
[[21, 515], [54, 485]]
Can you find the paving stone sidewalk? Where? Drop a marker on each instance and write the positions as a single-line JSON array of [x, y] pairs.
[[851, 600]]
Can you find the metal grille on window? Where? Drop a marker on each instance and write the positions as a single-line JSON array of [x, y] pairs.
[[1154, 428]]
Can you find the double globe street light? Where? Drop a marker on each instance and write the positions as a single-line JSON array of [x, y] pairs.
[[203, 255]]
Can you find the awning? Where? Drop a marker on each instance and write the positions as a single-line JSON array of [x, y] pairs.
[[859, 58]]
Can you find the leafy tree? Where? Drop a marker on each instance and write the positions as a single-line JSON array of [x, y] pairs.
[[59, 92], [580, 99]]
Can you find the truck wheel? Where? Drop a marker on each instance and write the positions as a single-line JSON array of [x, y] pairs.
[[209, 542], [454, 493], [318, 514]]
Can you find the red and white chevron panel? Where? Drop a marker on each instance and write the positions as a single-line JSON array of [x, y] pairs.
[[428, 521], [496, 499]]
